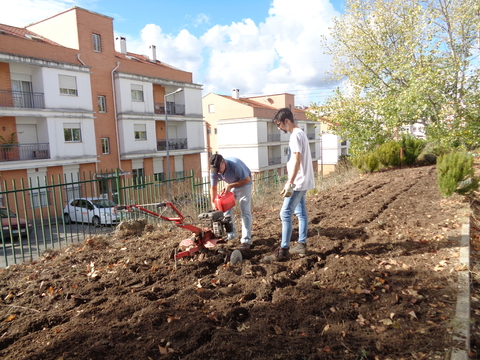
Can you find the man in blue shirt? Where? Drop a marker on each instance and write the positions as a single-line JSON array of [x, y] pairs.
[[239, 181]]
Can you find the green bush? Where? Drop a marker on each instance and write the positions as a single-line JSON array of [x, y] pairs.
[[367, 162], [412, 148], [389, 154], [455, 173]]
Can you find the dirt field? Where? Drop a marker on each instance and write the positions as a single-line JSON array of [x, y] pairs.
[[378, 282]]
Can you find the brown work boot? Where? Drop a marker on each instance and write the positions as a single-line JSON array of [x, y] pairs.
[[300, 249], [278, 255], [238, 255], [244, 246]]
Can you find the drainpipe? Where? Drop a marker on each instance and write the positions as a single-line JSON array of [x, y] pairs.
[[115, 116], [78, 57]]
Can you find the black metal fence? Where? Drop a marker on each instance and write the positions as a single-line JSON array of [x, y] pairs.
[[21, 99]]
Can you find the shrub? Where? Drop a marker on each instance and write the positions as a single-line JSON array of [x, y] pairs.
[[367, 163], [412, 148], [389, 154], [455, 173]]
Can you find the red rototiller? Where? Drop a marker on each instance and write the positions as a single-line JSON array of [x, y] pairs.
[[217, 225]]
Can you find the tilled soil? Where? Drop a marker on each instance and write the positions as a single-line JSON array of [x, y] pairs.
[[378, 282]]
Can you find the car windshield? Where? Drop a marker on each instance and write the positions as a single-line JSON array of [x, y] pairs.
[[103, 203], [4, 213]]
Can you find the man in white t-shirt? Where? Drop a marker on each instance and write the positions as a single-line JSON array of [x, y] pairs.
[[300, 179]]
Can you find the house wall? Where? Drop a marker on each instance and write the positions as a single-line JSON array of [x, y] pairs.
[[97, 73], [60, 28]]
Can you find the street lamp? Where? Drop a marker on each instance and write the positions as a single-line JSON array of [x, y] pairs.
[[167, 147]]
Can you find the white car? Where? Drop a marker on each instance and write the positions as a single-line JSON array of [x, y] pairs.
[[95, 211]]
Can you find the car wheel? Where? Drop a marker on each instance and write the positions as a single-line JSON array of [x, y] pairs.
[[67, 219], [96, 221]]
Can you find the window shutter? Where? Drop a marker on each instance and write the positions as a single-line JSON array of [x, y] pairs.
[[67, 82]]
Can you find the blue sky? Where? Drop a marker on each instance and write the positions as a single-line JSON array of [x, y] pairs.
[[258, 46]]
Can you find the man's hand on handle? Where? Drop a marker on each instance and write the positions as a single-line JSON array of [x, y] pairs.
[[288, 190]]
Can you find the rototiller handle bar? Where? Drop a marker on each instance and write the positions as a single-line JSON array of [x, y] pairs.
[[178, 220]]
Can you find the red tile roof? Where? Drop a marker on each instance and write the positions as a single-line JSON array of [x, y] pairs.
[[23, 33], [249, 102], [141, 59]]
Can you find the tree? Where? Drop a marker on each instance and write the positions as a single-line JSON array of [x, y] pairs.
[[404, 62]]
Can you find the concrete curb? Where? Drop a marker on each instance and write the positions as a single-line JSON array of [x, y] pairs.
[[461, 333]]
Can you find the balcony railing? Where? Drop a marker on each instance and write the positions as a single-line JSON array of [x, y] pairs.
[[173, 144], [274, 160], [17, 152], [172, 108], [21, 99], [273, 137]]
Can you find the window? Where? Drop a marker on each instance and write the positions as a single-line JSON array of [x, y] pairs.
[[22, 92], [137, 92], [211, 108], [140, 131], [102, 103], [72, 132], [68, 85], [215, 131], [159, 176], [97, 43], [138, 178], [209, 131], [105, 145]]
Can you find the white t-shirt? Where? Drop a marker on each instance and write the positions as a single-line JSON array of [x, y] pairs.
[[299, 144]]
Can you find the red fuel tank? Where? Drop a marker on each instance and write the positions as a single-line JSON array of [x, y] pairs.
[[225, 201]]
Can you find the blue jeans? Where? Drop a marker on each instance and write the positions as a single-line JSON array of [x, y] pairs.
[[294, 205], [243, 197]]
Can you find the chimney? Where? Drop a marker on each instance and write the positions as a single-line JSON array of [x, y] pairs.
[[236, 94], [121, 43], [153, 52]]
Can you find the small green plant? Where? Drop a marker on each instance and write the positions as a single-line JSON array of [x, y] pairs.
[[455, 173], [367, 162], [9, 140], [389, 154], [412, 148]]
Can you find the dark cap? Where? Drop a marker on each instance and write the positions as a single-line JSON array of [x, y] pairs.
[[215, 161]]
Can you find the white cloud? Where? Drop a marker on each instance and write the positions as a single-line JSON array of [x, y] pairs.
[[25, 12], [201, 19], [280, 54]]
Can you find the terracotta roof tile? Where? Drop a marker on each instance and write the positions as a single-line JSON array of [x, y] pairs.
[[249, 102], [140, 58], [23, 33]]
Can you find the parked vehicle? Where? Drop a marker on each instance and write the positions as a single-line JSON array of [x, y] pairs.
[[95, 211], [13, 225]]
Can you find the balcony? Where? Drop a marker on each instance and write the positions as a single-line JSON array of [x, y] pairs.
[[274, 160], [273, 137], [21, 99], [173, 144], [172, 108], [17, 152]]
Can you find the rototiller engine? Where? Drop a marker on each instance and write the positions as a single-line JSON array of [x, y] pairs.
[[217, 225]]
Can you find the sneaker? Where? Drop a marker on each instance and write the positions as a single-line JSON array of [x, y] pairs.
[[278, 255], [231, 236], [300, 249]]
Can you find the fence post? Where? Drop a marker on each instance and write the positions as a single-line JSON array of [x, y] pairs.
[[117, 181]]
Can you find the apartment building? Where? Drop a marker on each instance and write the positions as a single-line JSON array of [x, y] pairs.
[[71, 104], [242, 127]]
